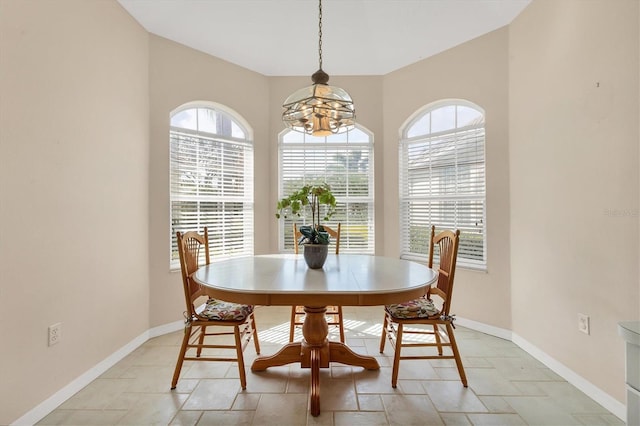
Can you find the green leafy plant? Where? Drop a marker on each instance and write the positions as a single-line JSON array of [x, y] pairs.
[[311, 196]]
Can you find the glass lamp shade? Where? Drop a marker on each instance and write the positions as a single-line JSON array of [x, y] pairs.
[[319, 110]]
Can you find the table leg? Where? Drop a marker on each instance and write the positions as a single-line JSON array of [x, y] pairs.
[[288, 354], [315, 352], [315, 382]]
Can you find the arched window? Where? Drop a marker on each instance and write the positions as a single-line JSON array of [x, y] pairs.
[[211, 178], [442, 180], [345, 162]]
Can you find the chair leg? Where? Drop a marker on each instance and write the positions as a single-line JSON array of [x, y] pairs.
[[243, 375], [292, 324], [456, 354], [256, 342], [340, 324], [383, 338], [203, 331], [183, 351], [396, 357], [436, 333]]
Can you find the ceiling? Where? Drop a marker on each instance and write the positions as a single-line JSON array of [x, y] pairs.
[[359, 37]]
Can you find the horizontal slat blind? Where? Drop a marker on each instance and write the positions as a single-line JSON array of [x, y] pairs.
[[343, 161], [442, 183], [211, 180]]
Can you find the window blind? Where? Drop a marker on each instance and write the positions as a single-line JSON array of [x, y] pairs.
[[211, 185], [442, 182], [345, 162]]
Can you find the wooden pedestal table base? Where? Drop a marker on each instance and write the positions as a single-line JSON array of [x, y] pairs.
[[315, 352]]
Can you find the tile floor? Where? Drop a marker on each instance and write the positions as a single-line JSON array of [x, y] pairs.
[[506, 387]]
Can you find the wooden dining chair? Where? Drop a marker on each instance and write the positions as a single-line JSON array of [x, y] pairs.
[[334, 313], [425, 311], [213, 313]]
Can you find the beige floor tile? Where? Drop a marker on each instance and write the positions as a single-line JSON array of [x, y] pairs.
[[455, 419], [152, 379], [497, 420], [598, 420], [417, 369], [186, 418], [529, 388], [97, 394], [246, 401], [273, 380], [339, 371], [56, 417], [355, 418], [449, 373], [170, 339], [496, 404], [83, 417], [571, 399], [298, 384], [338, 395], [408, 410], [226, 418], [124, 401], [374, 381], [519, 368], [278, 409], [408, 387], [326, 418], [370, 402], [488, 381], [157, 355], [205, 369], [213, 394], [541, 411], [95, 417], [153, 409], [453, 397], [121, 367]]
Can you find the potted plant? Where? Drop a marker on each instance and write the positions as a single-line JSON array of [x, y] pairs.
[[315, 239]]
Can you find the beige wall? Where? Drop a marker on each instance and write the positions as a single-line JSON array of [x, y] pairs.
[[573, 147], [476, 71], [73, 192], [178, 75]]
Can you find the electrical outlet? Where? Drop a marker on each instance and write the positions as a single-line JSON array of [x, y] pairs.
[[55, 333], [583, 323]]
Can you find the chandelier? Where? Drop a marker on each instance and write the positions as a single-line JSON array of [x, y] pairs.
[[319, 109]]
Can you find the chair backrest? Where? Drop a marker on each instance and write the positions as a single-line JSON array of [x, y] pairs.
[[447, 242], [334, 233], [190, 245]]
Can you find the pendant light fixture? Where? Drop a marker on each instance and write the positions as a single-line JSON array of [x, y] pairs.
[[319, 109]]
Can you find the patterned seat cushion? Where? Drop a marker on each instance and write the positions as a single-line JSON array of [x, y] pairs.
[[416, 308], [218, 310]]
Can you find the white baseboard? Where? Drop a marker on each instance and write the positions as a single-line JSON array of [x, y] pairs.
[[484, 328], [616, 407], [165, 329], [51, 403], [592, 391]]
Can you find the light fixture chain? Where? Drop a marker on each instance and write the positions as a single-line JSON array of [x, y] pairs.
[[320, 33], [319, 110]]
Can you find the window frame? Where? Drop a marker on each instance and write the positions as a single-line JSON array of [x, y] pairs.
[[247, 197], [347, 236], [477, 130]]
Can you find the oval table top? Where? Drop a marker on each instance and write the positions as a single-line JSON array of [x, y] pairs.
[[345, 279]]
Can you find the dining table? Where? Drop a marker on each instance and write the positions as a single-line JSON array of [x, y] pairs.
[[286, 280]]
